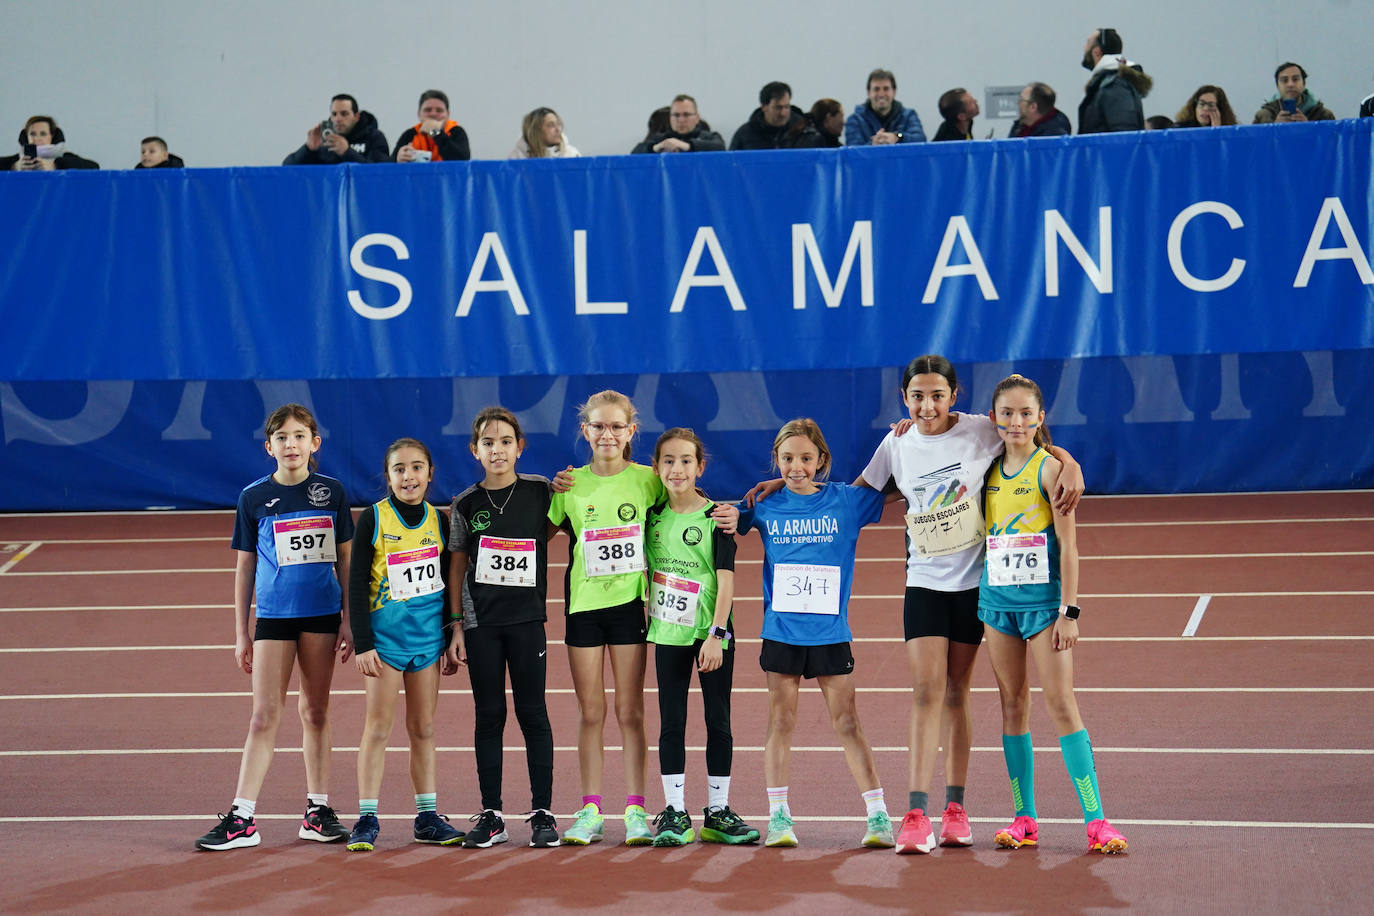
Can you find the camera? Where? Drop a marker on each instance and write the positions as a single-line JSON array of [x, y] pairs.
[[326, 127], [421, 155]]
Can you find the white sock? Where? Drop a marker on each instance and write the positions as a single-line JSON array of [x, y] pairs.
[[777, 801], [718, 791], [873, 799], [673, 792], [317, 799], [245, 807]]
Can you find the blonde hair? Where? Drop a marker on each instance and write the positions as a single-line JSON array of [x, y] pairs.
[[613, 399], [532, 129], [808, 429]]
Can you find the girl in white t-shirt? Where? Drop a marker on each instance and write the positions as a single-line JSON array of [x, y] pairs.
[[940, 472]]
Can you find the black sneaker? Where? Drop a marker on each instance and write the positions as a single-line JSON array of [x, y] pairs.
[[543, 829], [673, 828], [488, 830], [724, 826], [233, 832], [321, 825]]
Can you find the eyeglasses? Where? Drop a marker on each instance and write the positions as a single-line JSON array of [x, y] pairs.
[[1207, 106], [617, 429]]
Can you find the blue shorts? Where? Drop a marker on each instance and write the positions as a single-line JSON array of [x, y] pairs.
[[413, 663], [1021, 624]]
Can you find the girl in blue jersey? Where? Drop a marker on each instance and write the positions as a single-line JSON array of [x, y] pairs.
[[396, 587], [809, 533], [292, 535], [1028, 598]]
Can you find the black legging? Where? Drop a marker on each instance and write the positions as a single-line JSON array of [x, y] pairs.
[[675, 665], [522, 649]]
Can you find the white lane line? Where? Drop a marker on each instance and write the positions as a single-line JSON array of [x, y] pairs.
[[568, 691], [10, 564], [743, 641], [755, 817], [1193, 523], [751, 749], [749, 599], [1198, 610], [121, 572], [187, 540]]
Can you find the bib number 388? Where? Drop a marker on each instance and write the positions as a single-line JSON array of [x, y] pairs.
[[611, 551]]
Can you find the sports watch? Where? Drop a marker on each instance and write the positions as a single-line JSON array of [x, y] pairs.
[[718, 632], [1070, 611]]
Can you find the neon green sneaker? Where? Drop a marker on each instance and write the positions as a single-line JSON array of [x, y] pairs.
[[725, 826], [879, 835], [586, 827], [780, 831], [637, 832], [673, 828]]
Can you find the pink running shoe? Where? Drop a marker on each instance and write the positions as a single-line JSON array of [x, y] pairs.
[[1104, 838], [955, 829], [1024, 831], [916, 834]]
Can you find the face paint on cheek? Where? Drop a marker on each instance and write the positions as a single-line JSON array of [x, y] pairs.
[[1032, 426], [1001, 427]]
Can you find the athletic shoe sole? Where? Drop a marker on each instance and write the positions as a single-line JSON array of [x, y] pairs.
[[1007, 841], [241, 842], [495, 838], [922, 847], [715, 836], [305, 833], [673, 839], [948, 841]]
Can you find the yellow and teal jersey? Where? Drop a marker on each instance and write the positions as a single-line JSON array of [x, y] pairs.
[[406, 593], [1021, 569]]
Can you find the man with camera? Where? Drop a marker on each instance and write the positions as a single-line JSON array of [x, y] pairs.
[[42, 148], [348, 135], [1294, 102]]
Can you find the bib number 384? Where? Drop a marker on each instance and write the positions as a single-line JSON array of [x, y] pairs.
[[611, 551], [413, 573], [507, 561], [304, 540], [1018, 559]]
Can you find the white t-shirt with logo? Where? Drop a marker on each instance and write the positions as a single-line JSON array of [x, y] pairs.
[[940, 475]]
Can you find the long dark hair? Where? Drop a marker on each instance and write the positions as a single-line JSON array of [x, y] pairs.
[[1042, 432]]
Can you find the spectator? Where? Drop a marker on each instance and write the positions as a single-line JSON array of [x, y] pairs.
[[43, 148], [827, 117], [348, 135], [776, 123], [1367, 106], [1039, 117], [685, 133], [1294, 101], [1159, 122], [437, 137], [152, 154], [659, 122], [1111, 99], [541, 137], [1206, 107], [882, 119], [958, 108]]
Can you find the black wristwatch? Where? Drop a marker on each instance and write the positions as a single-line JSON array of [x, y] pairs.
[[718, 632], [1070, 611]]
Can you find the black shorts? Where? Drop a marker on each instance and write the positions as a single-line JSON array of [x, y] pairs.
[[288, 629], [623, 625], [953, 615], [806, 661]]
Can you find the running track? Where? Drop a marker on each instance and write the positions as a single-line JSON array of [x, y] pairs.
[[1238, 759]]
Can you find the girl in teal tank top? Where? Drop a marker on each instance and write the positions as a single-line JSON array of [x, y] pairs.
[[1023, 528]]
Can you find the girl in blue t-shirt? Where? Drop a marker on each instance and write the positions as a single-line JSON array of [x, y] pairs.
[[292, 535], [810, 531]]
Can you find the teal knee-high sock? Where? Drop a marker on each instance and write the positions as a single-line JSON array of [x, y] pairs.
[[1078, 760], [1021, 769]]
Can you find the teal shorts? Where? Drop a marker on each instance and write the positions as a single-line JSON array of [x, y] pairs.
[[410, 663], [1021, 624]]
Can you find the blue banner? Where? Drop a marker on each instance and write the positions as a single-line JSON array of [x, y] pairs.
[[1229, 240]]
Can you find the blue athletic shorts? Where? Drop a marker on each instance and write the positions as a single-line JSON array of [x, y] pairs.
[[413, 663], [1021, 624]]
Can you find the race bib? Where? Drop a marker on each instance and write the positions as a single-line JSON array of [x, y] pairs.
[[939, 532], [412, 573], [800, 588], [507, 561], [611, 551], [1018, 559], [304, 540], [673, 599]]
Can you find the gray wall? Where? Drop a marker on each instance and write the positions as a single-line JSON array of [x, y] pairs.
[[238, 83]]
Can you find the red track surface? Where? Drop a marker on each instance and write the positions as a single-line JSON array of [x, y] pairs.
[[1238, 761]]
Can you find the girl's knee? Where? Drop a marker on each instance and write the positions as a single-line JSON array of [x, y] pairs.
[[314, 715], [420, 728], [629, 715], [929, 692]]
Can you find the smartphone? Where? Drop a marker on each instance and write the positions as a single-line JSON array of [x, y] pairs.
[[30, 151], [1289, 105]]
